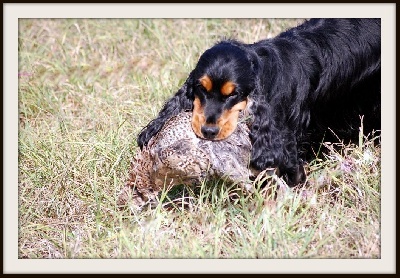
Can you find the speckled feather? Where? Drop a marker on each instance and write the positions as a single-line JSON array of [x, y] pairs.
[[177, 156]]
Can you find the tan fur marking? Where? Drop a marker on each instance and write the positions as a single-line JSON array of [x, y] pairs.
[[198, 118], [228, 120], [228, 88], [206, 82]]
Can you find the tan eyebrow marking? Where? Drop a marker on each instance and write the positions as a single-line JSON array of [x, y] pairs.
[[206, 82], [228, 88]]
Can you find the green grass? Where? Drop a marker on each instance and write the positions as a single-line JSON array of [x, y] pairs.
[[87, 87]]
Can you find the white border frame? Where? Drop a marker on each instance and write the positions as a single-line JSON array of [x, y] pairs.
[[11, 14]]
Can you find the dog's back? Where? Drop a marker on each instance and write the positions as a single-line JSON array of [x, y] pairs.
[[335, 65]]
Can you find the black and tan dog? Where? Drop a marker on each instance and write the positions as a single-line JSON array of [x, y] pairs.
[[323, 74]]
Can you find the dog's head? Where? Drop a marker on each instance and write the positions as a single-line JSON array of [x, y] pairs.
[[223, 80]]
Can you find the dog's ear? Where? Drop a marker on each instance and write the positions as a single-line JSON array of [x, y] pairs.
[[255, 67], [254, 62], [186, 93], [274, 145], [267, 150], [181, 101]]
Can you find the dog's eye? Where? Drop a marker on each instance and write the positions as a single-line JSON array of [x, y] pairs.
[[201, 88], [233, 94]]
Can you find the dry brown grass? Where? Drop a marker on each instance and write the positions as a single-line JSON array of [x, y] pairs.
[[86, 88]]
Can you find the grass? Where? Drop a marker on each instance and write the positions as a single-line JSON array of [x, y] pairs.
[[87, 87]]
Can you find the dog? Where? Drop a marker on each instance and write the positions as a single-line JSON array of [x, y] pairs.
[[307, 84]]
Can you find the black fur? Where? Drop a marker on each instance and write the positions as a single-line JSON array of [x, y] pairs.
[[322, 74]]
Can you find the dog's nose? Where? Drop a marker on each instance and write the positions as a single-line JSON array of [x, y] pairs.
[[209, 132]]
